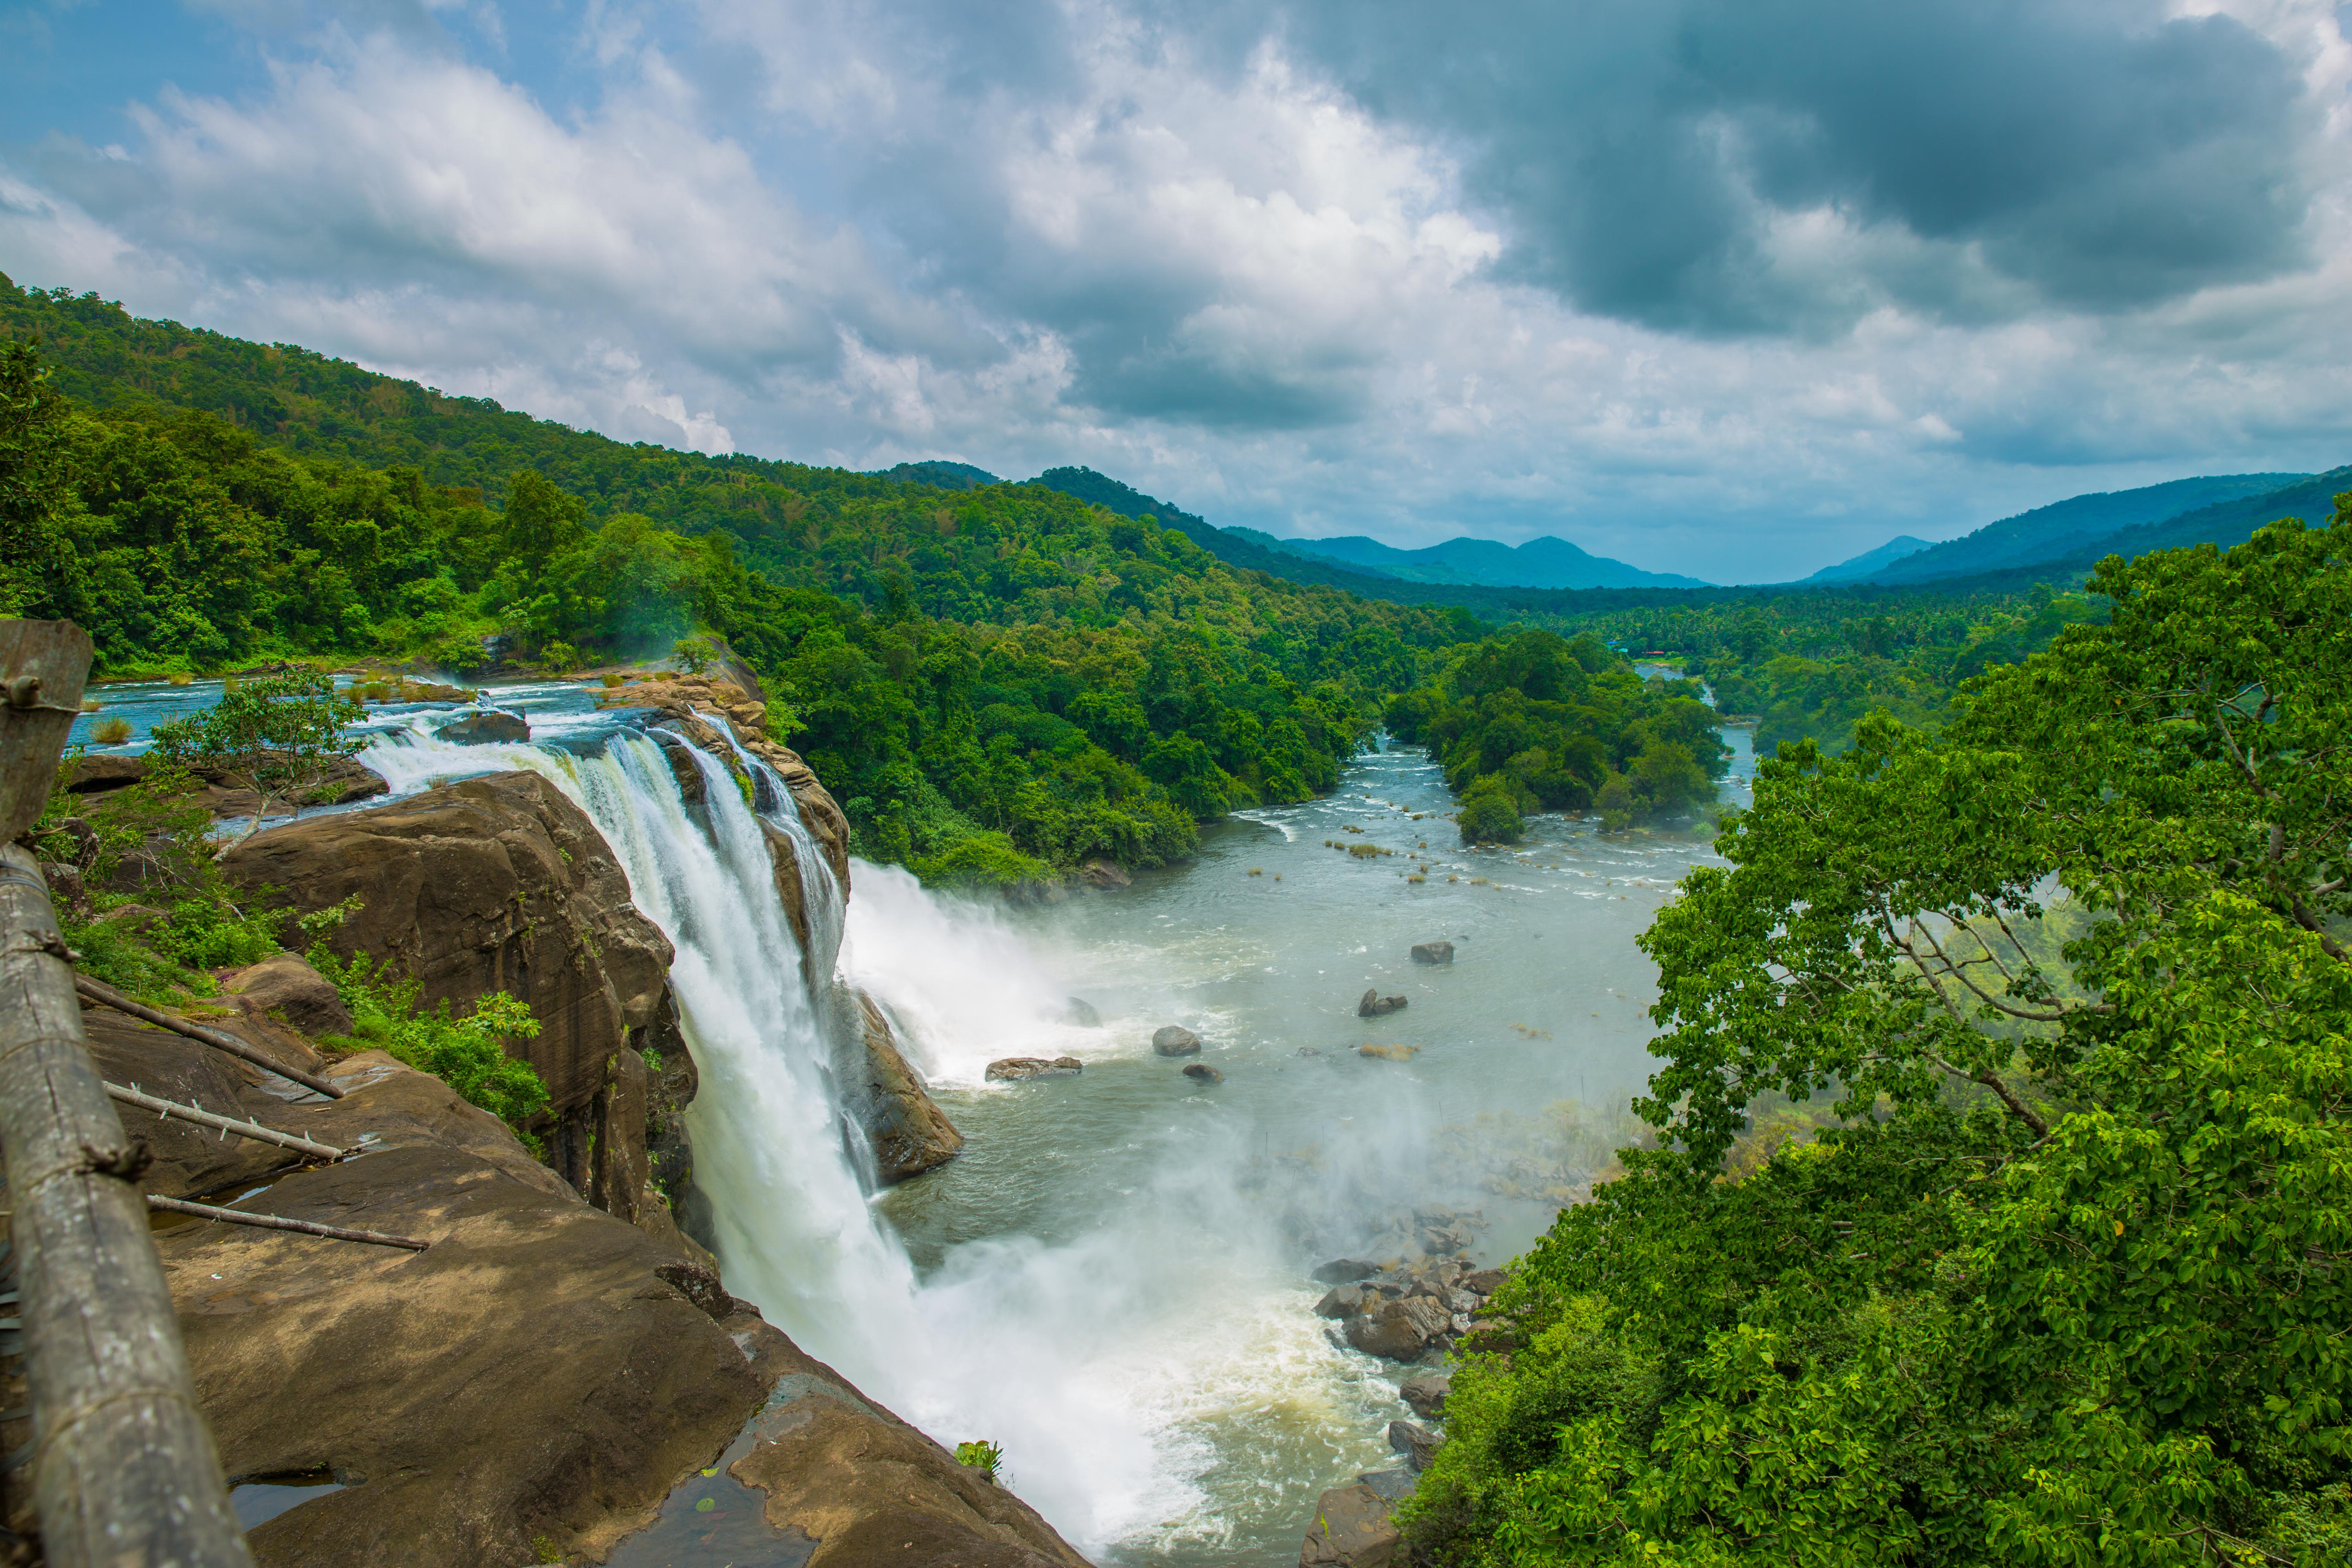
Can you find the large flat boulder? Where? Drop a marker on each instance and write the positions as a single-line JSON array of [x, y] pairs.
[[868, 1491], [531, 1381], [497, 883], [1351, 1529]]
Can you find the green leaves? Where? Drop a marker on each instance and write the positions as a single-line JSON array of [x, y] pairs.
[[2064, 1277]]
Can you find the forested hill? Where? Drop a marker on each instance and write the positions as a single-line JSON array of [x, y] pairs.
[[104, 358]]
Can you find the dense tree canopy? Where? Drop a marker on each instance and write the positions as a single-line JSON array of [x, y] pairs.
[[1560, 726], [2065, 1275], [1011, 685]]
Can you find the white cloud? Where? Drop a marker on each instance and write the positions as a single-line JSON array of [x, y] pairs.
[[1065, 234]]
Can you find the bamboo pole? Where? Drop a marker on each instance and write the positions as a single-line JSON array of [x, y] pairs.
[[124, 1467], [278, 1222], [203, 1117], [107, 996], [124, 1471]]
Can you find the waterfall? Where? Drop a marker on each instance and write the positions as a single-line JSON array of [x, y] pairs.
[[1048, 1351]]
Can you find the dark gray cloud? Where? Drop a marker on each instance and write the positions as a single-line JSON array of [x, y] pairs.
[[1657, 161]]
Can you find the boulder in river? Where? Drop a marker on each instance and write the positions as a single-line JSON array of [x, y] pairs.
[[1009, 1069], [908, 1133], [1375, 1005], [1394, 1485], [1106, 876], [1388, 1053], [1433, 952], [1400, 1330], [1341, 1301], [1175, 1041], [1201, 1072], [1351, 1529], [1417, 1443], [1346, 1271], [1426, 1392], [1079, 1011], [491, 726]]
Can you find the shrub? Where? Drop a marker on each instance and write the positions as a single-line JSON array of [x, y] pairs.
[[469, 1054], [110, 732], [696, 654], [1490, 814], [984, 1457]]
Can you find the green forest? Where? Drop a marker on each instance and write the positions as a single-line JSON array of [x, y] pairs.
[[1531, 723], [2063, 1276], [1996, 1202]]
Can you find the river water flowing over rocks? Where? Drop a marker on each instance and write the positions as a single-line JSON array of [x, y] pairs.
[[1115, 1280]]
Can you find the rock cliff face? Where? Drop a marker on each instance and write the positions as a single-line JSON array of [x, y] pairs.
[[908, 1134], [502, 884], [687, 702], [544, 1382]]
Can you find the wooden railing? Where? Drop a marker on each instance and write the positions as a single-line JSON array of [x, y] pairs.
[[124, 1471]]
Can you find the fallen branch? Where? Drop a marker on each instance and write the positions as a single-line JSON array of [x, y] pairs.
[[202, 1117], [107, 996], [278, 1222]]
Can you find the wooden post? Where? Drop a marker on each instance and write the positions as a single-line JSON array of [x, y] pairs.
[[278, 1222], [203, 1117], [107, 996], [124, 1467]]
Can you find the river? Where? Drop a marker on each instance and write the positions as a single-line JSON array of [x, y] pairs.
[[1112, 1282]]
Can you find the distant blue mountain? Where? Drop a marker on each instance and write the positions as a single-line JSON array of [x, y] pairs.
[[1546, 563], [2065, 530], [1870, 560]]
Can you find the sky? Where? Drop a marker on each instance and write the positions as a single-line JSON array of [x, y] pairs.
[[1735, 289]]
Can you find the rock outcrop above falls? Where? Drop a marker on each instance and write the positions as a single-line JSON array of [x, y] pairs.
[[341, 782], [501, 883], [687, 702]]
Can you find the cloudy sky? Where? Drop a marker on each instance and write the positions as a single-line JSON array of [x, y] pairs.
[[1732, 287]]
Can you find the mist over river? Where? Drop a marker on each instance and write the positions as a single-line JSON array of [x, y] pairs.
[[1113, 1280], [1127, 1251]]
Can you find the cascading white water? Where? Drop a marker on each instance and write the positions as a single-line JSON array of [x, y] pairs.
[[1078, 1359]]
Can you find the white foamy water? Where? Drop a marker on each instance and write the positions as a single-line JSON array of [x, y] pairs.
[[1112, 1281], [1063, 1355]]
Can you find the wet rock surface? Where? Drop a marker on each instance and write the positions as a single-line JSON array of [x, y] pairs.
[[1351, 1529], [1400, 1330], [1417, 1443], [1201, 1072], [1007, 1069], [492, 726], [1426, 1392], [1372, 1005], [1433, 952], [908, 1133], [1175, 1041], [687, 703]]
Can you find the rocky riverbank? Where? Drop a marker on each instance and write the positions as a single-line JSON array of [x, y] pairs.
[[1415, 1299], [560, 1373]]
